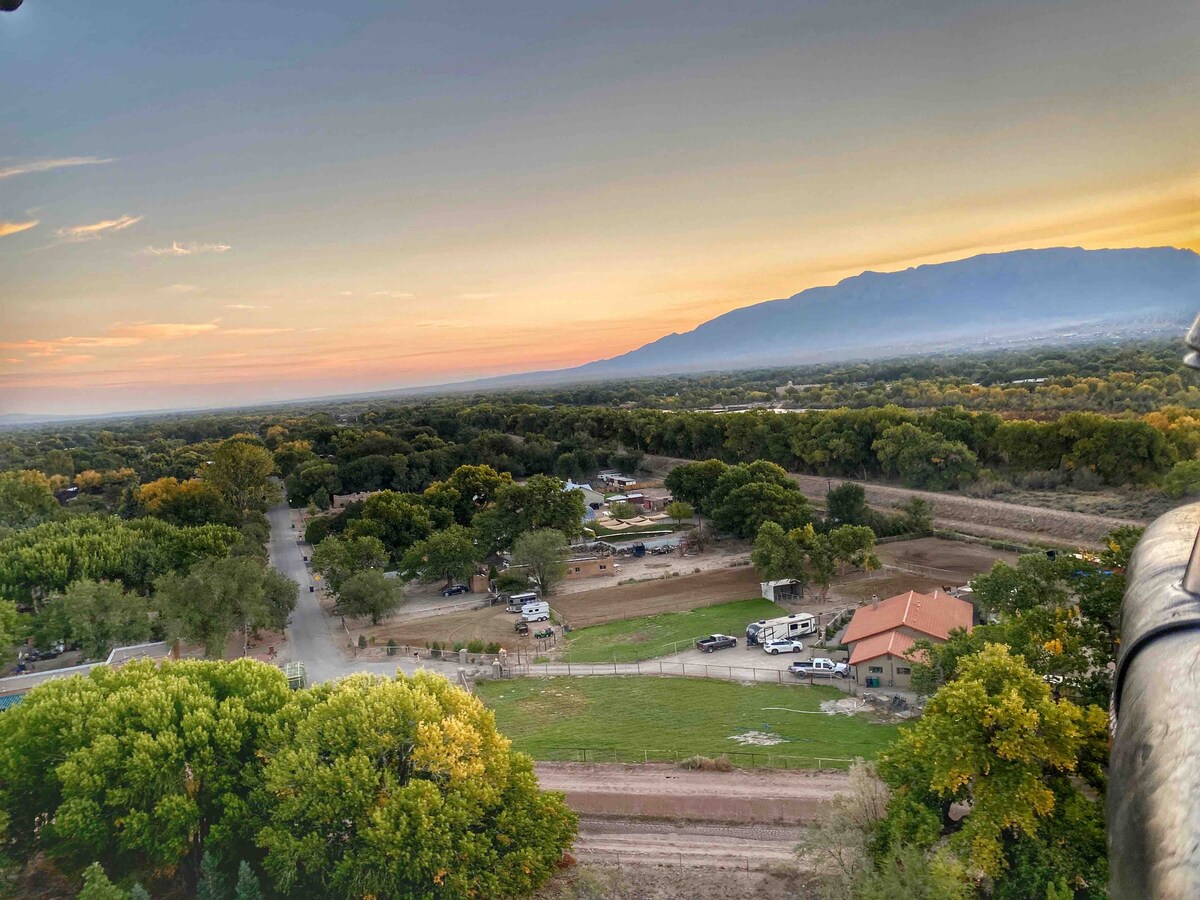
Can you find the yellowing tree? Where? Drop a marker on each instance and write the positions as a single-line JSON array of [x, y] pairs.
[[403, 788], [993, 738]]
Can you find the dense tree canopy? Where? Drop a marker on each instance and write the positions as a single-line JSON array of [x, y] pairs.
[[403, 788]]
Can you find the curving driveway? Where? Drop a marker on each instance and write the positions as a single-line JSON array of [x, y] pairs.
[[312, 638]]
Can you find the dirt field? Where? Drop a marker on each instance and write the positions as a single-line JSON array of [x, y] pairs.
[[993, 519], [655, 791], [658, 832], [718, 555]]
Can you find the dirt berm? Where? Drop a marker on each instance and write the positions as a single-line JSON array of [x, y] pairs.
[[991, 519], [760, 796]]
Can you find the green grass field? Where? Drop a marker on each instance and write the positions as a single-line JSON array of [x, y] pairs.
[[650, 636], [620, 718]]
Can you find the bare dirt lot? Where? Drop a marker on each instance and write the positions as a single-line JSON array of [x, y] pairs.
[[717, 555], [750, 796], [993, 519]]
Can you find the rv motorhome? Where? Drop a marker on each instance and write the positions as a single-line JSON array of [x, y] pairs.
[[782, 628]]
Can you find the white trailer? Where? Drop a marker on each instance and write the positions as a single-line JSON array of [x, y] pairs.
[[782, 628], [536, 612]]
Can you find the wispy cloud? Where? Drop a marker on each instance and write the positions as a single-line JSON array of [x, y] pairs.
[[7, 228], [242, 332], [184, 249], [345, 293], [34, 166], [244, 306], [182, 288], [36, 348], [96, 230], [482, 295], [395, 295], [143, 331]]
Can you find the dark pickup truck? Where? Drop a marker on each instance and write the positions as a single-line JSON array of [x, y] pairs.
[[715, 642]]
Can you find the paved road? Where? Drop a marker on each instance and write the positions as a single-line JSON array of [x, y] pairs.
[[310, 639]]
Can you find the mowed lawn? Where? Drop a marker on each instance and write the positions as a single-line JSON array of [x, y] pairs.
[[621, 717], [649, 636]]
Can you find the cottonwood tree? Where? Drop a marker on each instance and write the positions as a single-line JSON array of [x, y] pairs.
[[544, 554], [25, 498], [541, 502], [190, 502], [450, 554], [809, 556], [370, 593], [241, 473], [97, 616], [338, 559], [144, 766], [846, 504], [401, 788], [995, 740], [218, 597], [694, 482]]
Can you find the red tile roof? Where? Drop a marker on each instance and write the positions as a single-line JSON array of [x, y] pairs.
[[933, 614], [893, 642]]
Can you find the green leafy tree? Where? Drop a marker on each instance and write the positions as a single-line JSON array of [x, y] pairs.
[[476, 488], [45, 559], [544, 554], [924, 460], [10, 629], [316, 480], [96, 885], [339, 559], [994, 739], [694, 482], [403, 788], [370, 593], [541, 502], [218, 597], [746, 508], [145, 766], [241, 473], [25, 498], [679, 511], [450, 554], [809, 556], [98, 616], [623, 509], [398, 520], [846, 504], [1183, 480], [916, 516], [317, 529]]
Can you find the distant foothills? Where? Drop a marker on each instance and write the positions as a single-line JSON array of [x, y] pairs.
[[991, 301]]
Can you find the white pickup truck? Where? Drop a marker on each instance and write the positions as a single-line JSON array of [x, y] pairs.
[[819, 668]]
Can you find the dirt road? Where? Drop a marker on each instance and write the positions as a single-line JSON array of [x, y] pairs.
[[751, 797], [984, 518], [687, 845]]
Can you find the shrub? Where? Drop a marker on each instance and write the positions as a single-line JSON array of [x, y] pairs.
[[362, 642], [391, 647], [458, 645], [475, 646], [492, 648], [707, 763]]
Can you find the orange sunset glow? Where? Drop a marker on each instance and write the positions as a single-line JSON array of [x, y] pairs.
[[379, 199]]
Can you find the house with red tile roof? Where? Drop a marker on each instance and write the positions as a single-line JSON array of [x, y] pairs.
[[882, 633]]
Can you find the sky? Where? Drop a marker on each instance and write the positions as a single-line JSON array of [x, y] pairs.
[[217, 203]]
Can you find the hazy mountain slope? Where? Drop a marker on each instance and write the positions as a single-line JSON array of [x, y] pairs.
[[967, 304]]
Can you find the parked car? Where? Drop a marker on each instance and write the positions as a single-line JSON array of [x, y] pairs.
[[453, 589], [819, 668], [716, 642], [783, 646]]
